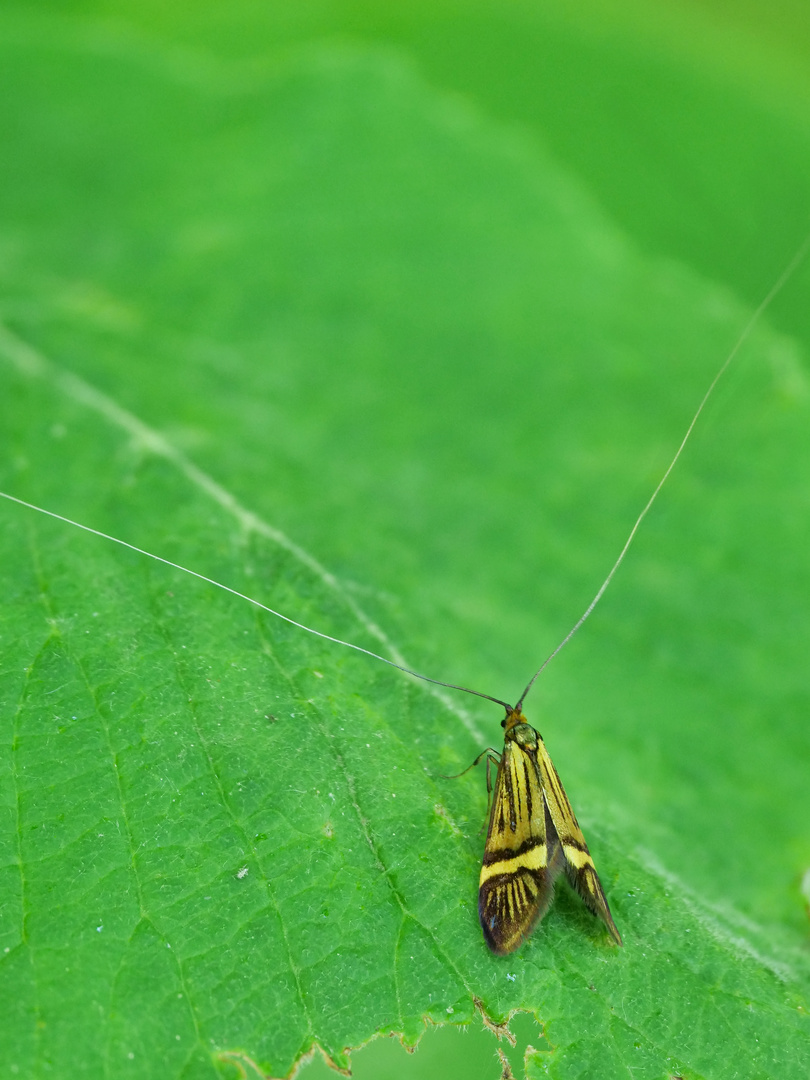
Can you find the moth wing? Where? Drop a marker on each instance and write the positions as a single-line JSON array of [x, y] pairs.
[[522, 855], [577, 861]]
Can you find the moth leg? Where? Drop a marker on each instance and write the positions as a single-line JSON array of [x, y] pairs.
[[464, 772], [493, 758]]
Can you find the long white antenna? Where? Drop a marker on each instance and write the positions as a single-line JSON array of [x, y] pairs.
[[775, 289], [779, 284], [244, 596]]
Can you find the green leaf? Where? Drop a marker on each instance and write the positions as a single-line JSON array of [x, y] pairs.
[[312, 326]]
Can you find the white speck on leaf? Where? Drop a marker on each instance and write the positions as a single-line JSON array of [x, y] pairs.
[[242, 873]]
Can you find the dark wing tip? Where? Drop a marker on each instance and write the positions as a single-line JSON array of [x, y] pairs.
[[611, 925], [511, 905], [585, 881]]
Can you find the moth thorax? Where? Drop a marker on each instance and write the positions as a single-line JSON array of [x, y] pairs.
[[524, 735]]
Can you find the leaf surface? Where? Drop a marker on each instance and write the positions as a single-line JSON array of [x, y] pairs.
[[324, 333]]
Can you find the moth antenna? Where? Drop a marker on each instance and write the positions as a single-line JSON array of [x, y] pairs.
[[250, 599], [775, 289]]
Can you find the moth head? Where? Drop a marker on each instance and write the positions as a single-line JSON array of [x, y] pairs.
[[513, 718]]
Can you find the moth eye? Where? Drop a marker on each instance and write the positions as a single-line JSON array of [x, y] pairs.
[[503, 722]]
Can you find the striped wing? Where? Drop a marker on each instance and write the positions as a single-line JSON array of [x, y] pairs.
[[578, 864], [522, 855]]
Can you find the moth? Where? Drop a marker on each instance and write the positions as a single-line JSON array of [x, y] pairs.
[[533, 837], [533, 834]]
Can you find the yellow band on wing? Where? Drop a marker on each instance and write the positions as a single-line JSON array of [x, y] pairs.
[[576, 858], [533, 859]]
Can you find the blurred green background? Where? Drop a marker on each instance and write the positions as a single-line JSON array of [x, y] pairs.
[[470, 484]]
